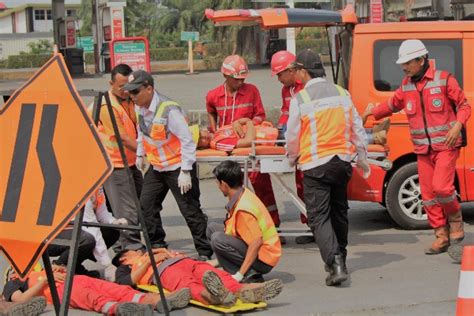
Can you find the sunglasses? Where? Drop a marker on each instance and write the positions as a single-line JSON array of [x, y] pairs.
[[137, 90]]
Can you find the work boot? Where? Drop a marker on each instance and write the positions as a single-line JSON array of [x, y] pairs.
[[337, 273], [133, 309], [263, 293], [456, 227], [305, 239], [214, 285], [441, 243], [33, 307], [176, 300], [379, 132]]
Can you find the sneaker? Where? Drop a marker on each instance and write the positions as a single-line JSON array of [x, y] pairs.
[[267, 291], [214, 285], [175, 300], [203, 258], [305, 239], [33, 307], [455, 252], [253, 278], [134, 309]]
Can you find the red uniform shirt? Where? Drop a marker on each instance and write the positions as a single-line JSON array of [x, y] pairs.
[[246, 102], [286, 94]]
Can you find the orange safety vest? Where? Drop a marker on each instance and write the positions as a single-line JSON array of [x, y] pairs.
[[135, 261], [33, 279], [108, 137], [98, 198], [270, 251], [162, 148], [264, 131], [326, 120]]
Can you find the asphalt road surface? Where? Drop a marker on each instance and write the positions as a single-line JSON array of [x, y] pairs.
[[390, 275]]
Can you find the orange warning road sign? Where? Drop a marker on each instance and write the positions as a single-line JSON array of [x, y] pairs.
[[51, 160]]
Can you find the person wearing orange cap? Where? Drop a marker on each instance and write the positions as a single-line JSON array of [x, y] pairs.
[[234, 100], [281, 66]]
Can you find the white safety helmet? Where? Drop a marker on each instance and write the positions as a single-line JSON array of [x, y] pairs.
[[411, 49]]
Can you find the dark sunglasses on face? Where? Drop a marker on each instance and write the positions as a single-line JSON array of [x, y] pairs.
[[137, 90]]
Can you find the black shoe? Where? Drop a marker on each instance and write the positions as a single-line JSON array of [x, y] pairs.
[[157, 245], [253, 278], [337, 273], [305, 239], [203, 258]]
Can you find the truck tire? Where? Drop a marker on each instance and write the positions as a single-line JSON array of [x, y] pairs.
[[403, 198]]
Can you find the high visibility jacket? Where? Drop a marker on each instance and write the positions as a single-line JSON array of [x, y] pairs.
[[33, 278], [264, 131], [163, 149], [246, 102], [432, 106], [327, 117], [270, 251], [108, 136], [286, 94]]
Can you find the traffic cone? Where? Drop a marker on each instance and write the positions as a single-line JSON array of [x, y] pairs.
[[465, 302]]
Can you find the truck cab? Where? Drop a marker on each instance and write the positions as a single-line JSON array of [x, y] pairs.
[[365, 65]]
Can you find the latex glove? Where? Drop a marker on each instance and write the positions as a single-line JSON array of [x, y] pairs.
[[109, 272], [364, 165], [184, 181], [141, 163], [120, 221], [238, 276]]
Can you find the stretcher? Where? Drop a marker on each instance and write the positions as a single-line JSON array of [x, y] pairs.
[[239, 306], [273, 160]]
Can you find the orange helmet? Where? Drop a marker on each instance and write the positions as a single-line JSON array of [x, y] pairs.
[[235, 67], [281, 60]]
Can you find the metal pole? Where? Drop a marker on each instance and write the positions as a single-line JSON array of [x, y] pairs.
[[51, 282], [71, 263], [131, 182], [95, 33]]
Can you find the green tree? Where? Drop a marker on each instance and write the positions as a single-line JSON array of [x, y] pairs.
[[85, 15]]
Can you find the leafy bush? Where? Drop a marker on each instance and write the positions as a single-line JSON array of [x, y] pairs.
[[162, 54], [27, 60]]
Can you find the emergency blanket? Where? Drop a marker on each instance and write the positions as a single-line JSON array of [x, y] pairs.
[[237, 307]]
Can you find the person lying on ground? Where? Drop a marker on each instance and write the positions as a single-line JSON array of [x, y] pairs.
[[91, 294], [206, 283]]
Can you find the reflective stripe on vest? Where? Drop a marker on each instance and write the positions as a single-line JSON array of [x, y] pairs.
[[425, 141], [237, 106], [162, 148], [109, 140], [326, 120], [270, 251]]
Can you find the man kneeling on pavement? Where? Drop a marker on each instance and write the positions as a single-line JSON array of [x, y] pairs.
[[247, 246]]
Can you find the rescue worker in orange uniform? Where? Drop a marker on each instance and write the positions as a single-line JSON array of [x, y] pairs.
[[247, 245], [164, 136], [234, 100], [119, 192], [323, 125], [226, 139], [437, 110], [281, 66]]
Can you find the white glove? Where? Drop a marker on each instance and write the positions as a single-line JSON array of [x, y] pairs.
[[141, 163], [238, 276], [184, 181], [120, 221], [109, 272], [364, 165]]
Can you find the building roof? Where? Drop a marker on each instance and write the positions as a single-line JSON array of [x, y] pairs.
[[45, 5]]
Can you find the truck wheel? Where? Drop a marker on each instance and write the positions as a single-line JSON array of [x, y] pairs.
[[403, 198]]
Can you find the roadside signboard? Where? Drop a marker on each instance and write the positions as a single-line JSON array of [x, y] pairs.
[[190, 36], [376, 11], [132, 51], [51, 162], [86, 43]]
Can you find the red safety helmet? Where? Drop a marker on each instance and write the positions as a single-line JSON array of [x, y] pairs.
[[281, 60], [235, 67]]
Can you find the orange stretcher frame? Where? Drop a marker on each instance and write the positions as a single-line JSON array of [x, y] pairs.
[[273, 160]]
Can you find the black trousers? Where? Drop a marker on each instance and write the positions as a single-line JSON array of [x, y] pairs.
[[155, 187], [325, 195], [84, 251]]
